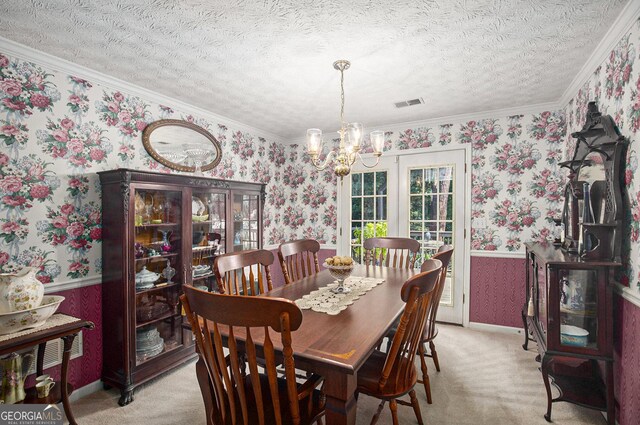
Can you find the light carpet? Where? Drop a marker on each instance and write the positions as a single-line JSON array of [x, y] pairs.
[[486, 378]]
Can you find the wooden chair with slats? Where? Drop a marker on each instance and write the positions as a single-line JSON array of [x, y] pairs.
[[391, 252], [444, 254], [244, 272], [392, 375], [235, 397], [299, 259]]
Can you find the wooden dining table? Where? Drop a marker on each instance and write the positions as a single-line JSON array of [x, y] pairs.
[[336, 346]]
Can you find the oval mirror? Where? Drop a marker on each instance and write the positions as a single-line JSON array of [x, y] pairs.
[[181, 145]]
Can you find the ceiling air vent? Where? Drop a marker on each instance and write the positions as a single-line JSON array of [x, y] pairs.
[[411, 102]]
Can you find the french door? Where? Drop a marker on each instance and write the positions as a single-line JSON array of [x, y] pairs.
[[421, 196]]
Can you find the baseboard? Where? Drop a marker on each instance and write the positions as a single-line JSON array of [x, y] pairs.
[[495, 328], [86, 390]]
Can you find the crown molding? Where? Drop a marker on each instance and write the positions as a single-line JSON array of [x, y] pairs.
[[452, 119], [30, 54], [620, 27]]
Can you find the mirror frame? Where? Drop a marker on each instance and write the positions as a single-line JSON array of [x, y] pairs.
[[146, 142]]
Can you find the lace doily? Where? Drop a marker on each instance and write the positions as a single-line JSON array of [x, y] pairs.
[[324, 301]]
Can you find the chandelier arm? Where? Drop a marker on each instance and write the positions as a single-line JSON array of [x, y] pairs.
[[321, 166], [365, 164]]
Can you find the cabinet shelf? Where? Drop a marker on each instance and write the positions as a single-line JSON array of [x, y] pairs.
[[164, 316], [158, 288], [156, 257], [54, 397], [204, 276], [152, 225]]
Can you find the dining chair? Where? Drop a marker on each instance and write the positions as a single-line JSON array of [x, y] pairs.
[[389, 376], [391, 252], [444, 254], [256, 397], [241, 273], [299, 259]]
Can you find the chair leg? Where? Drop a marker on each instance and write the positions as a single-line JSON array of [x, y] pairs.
[[393, 406], [434, 354], [425, 373], [375, 418], [416, 406]]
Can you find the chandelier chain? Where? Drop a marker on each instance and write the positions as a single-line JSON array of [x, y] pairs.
[[342, 98]]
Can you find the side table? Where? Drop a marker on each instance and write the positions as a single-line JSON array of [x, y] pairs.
[[58, 326]]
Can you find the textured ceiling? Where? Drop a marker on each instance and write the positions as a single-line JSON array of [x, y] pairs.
[[268, 64]]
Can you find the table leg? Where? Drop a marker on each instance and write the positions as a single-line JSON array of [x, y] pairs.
[[341, 402], [68, 342]]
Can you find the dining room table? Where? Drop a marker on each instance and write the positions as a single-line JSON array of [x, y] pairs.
[[335, 346]]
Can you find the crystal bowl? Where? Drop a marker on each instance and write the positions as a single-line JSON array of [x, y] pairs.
[[339, 272]]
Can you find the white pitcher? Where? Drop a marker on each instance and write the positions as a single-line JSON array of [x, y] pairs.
[[20, 290]]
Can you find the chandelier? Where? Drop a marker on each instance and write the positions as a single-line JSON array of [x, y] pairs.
[[351, 135]]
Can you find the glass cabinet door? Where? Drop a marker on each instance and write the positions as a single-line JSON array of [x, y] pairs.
[[209, 211], [578, 308], [158, 280], [245, 221]]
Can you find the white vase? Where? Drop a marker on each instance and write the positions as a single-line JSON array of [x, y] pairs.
[[20, 291]]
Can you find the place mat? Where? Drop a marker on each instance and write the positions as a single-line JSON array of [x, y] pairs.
[[53, 321], [324, 301]]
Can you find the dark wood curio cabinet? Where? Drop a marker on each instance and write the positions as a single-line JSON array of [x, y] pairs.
[[572, 324], [568, 310], [162, 231]]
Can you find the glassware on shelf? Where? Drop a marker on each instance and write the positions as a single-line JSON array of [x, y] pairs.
[[138, 250], [168, 272], [148, 208], [158, 212], [165, 245]]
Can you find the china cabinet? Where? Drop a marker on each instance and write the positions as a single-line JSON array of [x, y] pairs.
[[568, 307], [162, 231]]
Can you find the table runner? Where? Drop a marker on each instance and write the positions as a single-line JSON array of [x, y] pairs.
[[324, 301]]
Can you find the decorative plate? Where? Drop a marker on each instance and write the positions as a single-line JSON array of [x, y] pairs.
[[197, 206]]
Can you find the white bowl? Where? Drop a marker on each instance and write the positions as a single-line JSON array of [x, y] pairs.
[[17, 321], [573, 335]]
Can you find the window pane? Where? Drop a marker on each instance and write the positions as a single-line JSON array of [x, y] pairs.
[[380, 229], [356, 184], [356, 232], [430, 207], [415, 208], [446, 179], [381, 183], [415, 229], [356, 208], [445, 209], [415, 179], [381, 208], [367, 208], [430, 180], [368, 183]]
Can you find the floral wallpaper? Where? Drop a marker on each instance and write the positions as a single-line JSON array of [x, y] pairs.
[[516, 182], [615, 86], [57, 131]]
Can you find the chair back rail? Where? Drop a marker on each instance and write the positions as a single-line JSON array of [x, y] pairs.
[[244, 272], [234, 402], [391, 252], [299, 259], [418, 294]]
